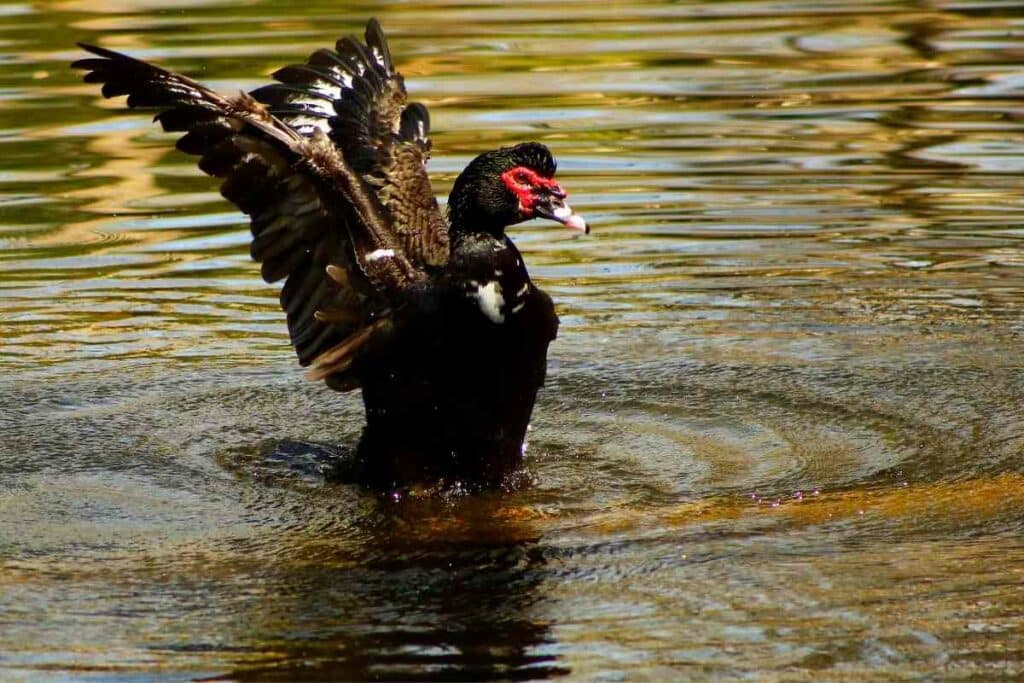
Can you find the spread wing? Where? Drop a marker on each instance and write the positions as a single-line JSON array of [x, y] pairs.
[[315, 220], [354, 95]]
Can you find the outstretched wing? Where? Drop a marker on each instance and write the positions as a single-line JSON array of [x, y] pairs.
[[355, 95], [315, 221]]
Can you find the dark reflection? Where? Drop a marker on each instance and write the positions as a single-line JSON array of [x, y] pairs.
[[920, 36], [289, 461], [443, 592]]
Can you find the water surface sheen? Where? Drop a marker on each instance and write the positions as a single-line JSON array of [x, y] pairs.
[[783, 430]]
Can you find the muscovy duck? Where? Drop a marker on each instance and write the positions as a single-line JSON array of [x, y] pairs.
[[436, 321]]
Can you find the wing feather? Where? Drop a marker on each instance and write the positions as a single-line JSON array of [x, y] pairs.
[[355, 95], [310, 211]]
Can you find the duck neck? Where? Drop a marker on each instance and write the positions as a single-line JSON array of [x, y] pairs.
[[473, 209]]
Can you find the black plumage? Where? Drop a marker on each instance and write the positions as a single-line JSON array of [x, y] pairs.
[[437, 321]]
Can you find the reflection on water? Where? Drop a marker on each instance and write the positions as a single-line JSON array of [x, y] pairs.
[[782, 435], [434, 606]]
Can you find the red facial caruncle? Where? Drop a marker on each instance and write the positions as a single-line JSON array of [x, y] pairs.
[[524, 182], [541, 197]]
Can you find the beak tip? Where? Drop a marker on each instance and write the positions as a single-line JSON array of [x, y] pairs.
[[575, 222], [564, 214]]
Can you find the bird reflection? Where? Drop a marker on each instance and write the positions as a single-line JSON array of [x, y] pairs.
[[439, 591]]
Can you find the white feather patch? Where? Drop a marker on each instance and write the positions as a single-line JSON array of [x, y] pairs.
[[378, 57], [521, 298], [378, 254], [318, 105], [343, 76], [325, 89], [309, 122], [490, 300]]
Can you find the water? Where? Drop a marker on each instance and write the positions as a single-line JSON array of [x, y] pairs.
[[783, 430]]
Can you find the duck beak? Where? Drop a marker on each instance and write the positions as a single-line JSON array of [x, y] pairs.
[[554, 207]]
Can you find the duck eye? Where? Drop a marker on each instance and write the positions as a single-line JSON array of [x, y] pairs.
[[522, 177]]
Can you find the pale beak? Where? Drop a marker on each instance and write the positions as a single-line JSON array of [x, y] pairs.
[[554, 207]]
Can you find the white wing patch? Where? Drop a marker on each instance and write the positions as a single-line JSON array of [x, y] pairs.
[[521, 297], [378, 57], [314, 104], [306, 124], [378, 254], [325, 89], [312, 108], [490, 300]]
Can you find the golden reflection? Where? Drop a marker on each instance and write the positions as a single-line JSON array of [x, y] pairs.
[[128, 167], [929, 504]]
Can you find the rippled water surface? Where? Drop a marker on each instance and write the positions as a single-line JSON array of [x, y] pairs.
[[782, 437]]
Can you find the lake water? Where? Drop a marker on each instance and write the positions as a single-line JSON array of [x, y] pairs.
[[782, 436]]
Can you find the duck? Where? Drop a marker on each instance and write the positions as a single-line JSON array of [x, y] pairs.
[[431, 314]]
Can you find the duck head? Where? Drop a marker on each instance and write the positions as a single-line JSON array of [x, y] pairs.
[[508, 186]]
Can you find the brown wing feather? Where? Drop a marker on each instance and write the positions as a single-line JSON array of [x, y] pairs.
[[313, 218], [355, 95]]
